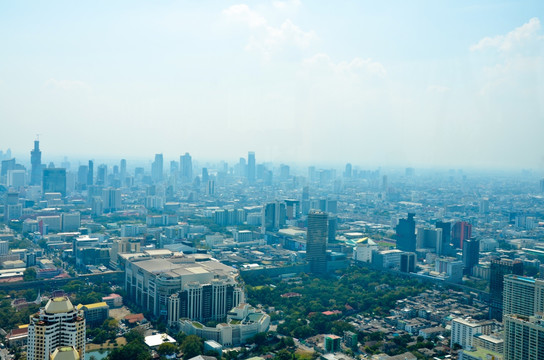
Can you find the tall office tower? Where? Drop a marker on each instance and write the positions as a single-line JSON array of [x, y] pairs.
[[333, 227], [186, 166], [273, 216], [157, 168], [123, 169], [292, 209], [523, 337], [471, 255], [484, 206], [429, 239], [205, 176], [406, 234], [251, 167], [82, 175], [284, 171], [36, 162], [90, 175], [316, 242], [54, 180], [499, 268], [384, 183], [102, 174], [461, 231], [7, 165], [174, 167], [446, 237], [347, 171], [58, 324], [522, 295], [312, 174], [111, 199]]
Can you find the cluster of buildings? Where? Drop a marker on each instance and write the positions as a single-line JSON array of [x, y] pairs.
[[181, 234]]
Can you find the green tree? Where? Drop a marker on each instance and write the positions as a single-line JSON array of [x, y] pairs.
[[192, 346], [166, 349], [29, 274]]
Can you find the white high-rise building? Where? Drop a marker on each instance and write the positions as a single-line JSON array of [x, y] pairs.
[[463, 331], [58, 324]]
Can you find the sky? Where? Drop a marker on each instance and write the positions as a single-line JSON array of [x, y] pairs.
[[374, 83]]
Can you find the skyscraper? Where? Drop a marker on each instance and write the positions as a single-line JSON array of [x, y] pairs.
[[251, 167], [499, 268], [82, 175], [523, 337], [58, 324], [316, 242], [461, 231], [54, 180], [186, 165], [446, 237], [36, 162], [101, 174], [157, 168], [471, 255], [406, 234], [522, 295], [90, 174], [347, 171]]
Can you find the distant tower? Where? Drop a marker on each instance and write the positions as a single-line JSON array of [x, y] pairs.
[[471, 255], [186, 165], [123, 170], [36, 162], [347, 172], [316, 242], [446, 237], [251, 167], [157, 168], [90, 174], [54, 181], [406, 234], [461, 231]]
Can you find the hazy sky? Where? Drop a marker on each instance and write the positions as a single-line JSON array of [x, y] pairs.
[[407, 83]]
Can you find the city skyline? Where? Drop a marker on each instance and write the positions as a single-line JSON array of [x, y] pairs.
[[422, 84]]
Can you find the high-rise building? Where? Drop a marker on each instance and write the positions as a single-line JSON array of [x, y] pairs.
[[36, 163], [499, 268], [157, 168], [407, 262], [273, 216], [406, 234], [471, 255], [102, 174], [82, 175], [316, 242], [523, 337], [461, 231], [446, 237], [251, 167], [111, 199], [463, 331], [58, 324], [90, 174], [54, 180], [522, 295], [204, 302], [186, 166], [347, 171]]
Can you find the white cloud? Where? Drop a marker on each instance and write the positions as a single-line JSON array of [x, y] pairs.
[[66, 84], [525, 33], [242, 13], [356, 65], [266, 38], [275, 38]]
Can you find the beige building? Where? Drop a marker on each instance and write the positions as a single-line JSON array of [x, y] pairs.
[[57, 325]]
